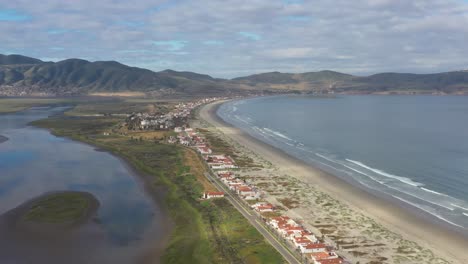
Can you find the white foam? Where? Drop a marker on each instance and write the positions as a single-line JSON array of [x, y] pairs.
[[465, 214], [458, 206], [242, 119], [428, 211], [422, 198], [386, 183], [383, 173], [431, 191], [351, 168], [276, 133]]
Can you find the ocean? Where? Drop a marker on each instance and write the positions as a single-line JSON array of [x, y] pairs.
[[409, 149]]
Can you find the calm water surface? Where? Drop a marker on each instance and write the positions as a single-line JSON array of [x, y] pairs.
[[32, 162], [411, 149]]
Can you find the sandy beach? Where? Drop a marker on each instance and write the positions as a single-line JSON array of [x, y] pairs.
[[368, 228]]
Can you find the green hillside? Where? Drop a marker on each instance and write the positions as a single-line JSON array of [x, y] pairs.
[[77, 77], [20, 75]]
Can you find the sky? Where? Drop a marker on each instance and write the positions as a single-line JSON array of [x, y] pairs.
[[232, 38]]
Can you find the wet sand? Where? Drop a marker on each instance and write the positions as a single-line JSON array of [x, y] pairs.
[[442, 240]]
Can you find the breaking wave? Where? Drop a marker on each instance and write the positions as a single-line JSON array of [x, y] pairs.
[[434, 192], [276, 133], [383, 173], [427, 211], [460, 207]]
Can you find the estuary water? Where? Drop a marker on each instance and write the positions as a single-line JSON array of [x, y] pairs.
[[33, 162], [409, 149]]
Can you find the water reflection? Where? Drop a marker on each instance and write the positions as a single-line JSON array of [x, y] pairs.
[[33, 162]]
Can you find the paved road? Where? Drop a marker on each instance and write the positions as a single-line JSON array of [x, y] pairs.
[[253, 219]]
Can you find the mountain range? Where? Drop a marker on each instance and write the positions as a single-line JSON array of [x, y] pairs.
[[21, 75]]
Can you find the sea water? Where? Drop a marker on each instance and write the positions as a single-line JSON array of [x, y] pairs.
[[413, 149]]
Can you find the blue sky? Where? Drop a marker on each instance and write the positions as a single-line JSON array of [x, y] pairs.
[[233, 38]]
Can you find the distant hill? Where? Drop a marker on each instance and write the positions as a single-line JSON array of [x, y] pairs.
[[20, 75], [17, 59], [447, 82], [334, 82], [26, 76], [267, 78]]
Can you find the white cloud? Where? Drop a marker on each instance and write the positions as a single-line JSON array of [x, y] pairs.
[[289, 53], [361, 36]]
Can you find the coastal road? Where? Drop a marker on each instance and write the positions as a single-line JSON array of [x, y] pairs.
[[254, 220]]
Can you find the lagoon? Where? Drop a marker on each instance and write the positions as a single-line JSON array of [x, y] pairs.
[[34, 162]]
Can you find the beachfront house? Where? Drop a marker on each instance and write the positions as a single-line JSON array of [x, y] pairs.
[[220, 162], [263, 207], [324, 258], [204, 150], [313, 248]]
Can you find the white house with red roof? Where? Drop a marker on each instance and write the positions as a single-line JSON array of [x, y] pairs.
[[220, 162], [234, 183], [204, 150], [276, 222], [301, 241], [263, 207], [313, 248], [244, 190], [324, 257], [291, 231], [224, 174]]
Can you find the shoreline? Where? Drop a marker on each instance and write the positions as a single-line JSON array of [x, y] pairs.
[[410, 225]]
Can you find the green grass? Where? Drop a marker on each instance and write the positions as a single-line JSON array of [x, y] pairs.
[[118, 107], [204, 232], [59, 208], [9, 105]]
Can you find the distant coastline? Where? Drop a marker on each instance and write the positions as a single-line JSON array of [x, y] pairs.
[[413, 226]]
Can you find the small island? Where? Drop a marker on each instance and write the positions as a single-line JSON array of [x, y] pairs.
[[66, 208], [3, 139]]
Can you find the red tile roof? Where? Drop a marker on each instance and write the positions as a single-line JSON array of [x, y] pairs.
[[317, 245], [331, 261], [302, 240]]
